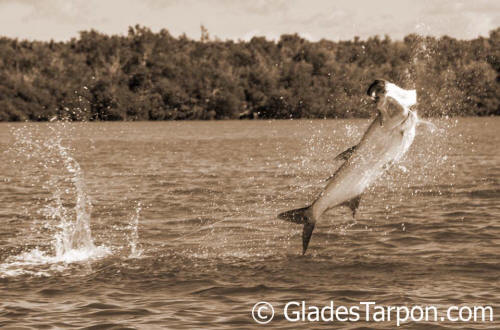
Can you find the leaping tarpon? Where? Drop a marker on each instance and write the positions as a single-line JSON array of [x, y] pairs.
[[386, 140]]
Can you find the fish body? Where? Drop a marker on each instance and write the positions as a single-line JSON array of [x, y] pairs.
[[385, 141]]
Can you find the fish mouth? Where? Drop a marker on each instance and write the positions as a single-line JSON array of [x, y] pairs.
[[376, 88]]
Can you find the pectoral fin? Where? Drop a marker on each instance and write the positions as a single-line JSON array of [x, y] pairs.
[[346, 154], [353, 204], [381, 118]]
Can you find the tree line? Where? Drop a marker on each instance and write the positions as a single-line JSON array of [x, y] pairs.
[[154, 76]]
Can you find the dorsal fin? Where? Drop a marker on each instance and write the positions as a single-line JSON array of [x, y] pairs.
[[346, 153]]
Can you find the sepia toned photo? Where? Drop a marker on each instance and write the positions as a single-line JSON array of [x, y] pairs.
[[279, 164]]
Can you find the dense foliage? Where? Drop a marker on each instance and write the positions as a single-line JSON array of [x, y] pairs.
[[155, 76]]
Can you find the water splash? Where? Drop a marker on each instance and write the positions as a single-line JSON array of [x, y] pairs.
[[133, 227], [66, 211], [74, 234]]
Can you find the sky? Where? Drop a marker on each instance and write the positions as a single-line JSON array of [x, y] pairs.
[[61, 20]]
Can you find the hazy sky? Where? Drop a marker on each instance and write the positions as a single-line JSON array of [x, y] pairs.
[[235, 19]]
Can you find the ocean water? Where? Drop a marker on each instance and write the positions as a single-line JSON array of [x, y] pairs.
[[173, 224]]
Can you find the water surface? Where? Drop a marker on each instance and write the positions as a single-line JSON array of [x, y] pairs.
[[173, 224]]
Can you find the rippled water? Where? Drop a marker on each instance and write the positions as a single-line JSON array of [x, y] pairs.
[[173, 224]]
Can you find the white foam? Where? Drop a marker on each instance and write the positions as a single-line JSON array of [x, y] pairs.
[[39, 263], [405, 97]]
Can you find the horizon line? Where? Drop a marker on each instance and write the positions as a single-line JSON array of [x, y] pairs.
[[246, 39]]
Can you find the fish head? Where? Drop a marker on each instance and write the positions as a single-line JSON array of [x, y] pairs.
[[381, 88], [392, 101]]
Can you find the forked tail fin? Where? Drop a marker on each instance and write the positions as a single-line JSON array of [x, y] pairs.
[[300, 216], [296, 216]]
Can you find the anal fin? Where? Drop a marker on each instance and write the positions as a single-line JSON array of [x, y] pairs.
[[353, 204]]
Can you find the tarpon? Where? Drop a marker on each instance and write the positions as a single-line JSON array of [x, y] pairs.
[[386, 140]]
